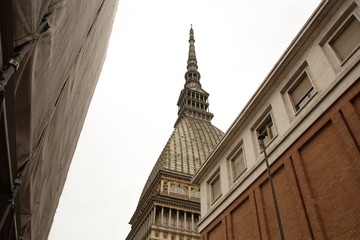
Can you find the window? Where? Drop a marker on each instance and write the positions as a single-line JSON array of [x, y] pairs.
[[347, 40], [178, 190], [195, 194], [237, 161], [267, 129], [301, 92], [215, 187]]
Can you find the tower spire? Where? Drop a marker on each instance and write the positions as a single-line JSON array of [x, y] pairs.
[[193, 100], [192, 74]]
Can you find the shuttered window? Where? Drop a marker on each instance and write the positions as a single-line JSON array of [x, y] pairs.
[[302, 92], [347, 40], [267, 129], [238, 163], [215, 188]]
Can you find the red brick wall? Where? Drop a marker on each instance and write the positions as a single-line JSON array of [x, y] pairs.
[[217, 230], [317, 182]]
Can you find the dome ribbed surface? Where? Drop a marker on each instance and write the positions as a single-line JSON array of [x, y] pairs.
[[189, 145]]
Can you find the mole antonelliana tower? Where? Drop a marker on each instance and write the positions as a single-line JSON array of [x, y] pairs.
[[169, 205]]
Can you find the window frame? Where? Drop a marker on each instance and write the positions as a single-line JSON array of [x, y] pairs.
[[174, 189], [215, 177], [238, 149], [302, 76], [195, 193], [263, 122], [339, 31], [353, 10]]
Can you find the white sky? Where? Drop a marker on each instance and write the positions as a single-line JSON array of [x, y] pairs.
[[133, 110]]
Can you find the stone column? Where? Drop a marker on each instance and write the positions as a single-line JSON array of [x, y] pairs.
[[154, 215], [169, 223], [185, 221], [162, 216], [192, 222], [177, 218]]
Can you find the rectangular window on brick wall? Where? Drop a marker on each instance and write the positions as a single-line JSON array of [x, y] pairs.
[[301, 92], [347, 40], [267, 129], [237, 161], [342, 41], [214, 187]]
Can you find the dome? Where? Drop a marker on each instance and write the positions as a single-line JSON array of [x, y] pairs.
[[189, 145]]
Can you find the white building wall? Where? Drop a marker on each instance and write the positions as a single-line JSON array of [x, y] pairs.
[[323, 72]]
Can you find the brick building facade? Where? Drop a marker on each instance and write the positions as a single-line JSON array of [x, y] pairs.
[[317, 185], [309, 109]]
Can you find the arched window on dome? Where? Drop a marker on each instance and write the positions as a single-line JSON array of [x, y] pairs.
[[178, 190]]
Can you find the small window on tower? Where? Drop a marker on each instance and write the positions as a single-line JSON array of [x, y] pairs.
[[195, 193], [178, 190]]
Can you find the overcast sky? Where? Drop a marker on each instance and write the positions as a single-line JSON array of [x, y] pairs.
[[134, 109]]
